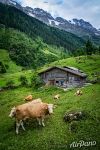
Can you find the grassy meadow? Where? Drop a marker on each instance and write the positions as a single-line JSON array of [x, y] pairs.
[[55, 135]]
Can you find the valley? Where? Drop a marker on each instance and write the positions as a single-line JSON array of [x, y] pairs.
[[33, 41]]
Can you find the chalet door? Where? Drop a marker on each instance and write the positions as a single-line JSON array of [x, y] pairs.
[[52, 82]]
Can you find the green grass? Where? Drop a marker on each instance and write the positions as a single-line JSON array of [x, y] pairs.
[[55, 135], [13, 72], [12, 67], [15, 77]]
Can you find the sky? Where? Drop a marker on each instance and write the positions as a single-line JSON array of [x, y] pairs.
[[89, 10]]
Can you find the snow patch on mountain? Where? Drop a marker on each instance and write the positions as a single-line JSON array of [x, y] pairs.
[[53, 22], [98, 34], [30, 14], [56, 23], [13, 2], [71, 21]]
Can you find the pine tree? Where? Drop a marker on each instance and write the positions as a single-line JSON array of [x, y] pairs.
[[89, 47], [99, 50]]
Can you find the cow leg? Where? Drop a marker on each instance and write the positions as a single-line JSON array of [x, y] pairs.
[[17, 127], [22, 124], [39, 121], [42, 121]]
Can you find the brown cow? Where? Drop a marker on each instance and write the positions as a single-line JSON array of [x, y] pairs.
[[30, 110]]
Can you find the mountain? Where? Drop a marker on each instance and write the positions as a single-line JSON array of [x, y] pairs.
[[14, 18], [30, 42], [39, 14], [78, 27], [75, 26], [12, 3]]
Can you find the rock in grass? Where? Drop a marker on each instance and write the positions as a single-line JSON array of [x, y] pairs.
[[73, 116]]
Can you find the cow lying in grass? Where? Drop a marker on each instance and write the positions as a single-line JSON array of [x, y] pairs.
[[28, 98], [30, 110], [57, 96], [78, 92]]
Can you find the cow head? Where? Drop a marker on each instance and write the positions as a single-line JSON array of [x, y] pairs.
[[13, 112], [50, 108]]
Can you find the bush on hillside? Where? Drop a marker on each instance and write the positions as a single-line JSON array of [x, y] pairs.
[[7, 66], [89, 47], [36, 81], [23, 80], [2, 68], [10, 84], [95, 78]]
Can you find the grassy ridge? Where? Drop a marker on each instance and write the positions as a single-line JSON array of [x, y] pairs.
[[55, 135], [89, 64], [5, 59]]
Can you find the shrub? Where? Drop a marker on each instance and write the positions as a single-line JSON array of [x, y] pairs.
[[7, 66], [10, 84], [2, 68], [23, 80], [36, 81]]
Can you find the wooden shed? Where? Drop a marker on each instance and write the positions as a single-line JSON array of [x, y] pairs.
[[63, 76]]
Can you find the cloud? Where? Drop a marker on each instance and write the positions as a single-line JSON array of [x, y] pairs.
[[88, 10], [45, 2], [59, 3]]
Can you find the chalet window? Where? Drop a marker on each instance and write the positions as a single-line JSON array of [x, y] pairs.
[[77, 78], [71, 78]]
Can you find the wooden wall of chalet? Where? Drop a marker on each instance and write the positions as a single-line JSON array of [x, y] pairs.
[[58, 74], [54, 73]]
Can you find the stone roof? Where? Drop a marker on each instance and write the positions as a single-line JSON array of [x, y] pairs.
[[67, 69]]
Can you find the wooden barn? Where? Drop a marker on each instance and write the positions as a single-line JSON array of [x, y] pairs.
[[63, 76]]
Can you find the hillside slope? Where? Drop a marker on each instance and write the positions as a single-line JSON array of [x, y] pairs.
[[12, 17], [11, 67], [90, 65], [28, 52], [56, 134]]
